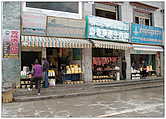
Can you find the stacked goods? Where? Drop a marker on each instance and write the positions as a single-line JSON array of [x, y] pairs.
[[23, 74], [149, 68], [73, 69], [51, 73]]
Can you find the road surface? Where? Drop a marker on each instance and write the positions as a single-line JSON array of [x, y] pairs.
[[147, 102]]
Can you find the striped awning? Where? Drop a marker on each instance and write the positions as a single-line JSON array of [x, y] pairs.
[[37, 41], [147, 48], [110, 45]]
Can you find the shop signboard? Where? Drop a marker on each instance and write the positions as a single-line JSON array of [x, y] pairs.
[[65, 27], [11, 40], [146, 34], [106, 29], [33, 24]]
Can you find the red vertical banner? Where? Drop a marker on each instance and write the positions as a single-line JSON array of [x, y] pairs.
[[11, 43]]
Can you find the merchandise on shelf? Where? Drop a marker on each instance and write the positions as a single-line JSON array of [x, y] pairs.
[[73, 69], [106, 68], [25, 73], [51, 73]]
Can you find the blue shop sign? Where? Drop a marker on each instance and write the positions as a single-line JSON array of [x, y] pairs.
[[106, 29], [146, 34]]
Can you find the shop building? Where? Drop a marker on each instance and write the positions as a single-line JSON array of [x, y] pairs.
[[42, 35], [147, 51], [110, 42], [60, 40]]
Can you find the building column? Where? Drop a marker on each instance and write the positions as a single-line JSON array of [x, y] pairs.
[[11, 66], [44, 55], [87, 64], [88, 10], [162, 64], [128, 64]]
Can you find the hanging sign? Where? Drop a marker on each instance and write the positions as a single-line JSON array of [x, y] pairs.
[[146, 34], [106, 29], [65, 27], [33, 24], [11, 43]]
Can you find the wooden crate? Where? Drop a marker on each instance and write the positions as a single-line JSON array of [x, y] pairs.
[[7, 96]]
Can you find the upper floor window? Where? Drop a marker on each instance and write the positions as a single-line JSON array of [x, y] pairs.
[[142, 18], [143, 13], [107, 11], [72, 7]]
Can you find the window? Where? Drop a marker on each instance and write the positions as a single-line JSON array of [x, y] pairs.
[[106, 14], [137, 20], [142, 18], [107, 11], [147, 22], [56, 6]]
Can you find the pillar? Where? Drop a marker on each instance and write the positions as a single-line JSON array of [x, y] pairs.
[[162, 63], [11, 66], [44, 55], [128, 64], [87, 64], [88, 10]]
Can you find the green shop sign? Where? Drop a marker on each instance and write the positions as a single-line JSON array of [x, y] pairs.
[[106, 29]]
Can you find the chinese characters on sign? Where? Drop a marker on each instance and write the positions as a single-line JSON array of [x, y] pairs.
[[11, 43], [146, 34], [107, 29]]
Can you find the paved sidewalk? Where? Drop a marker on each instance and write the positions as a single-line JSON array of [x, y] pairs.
[[61, 91]]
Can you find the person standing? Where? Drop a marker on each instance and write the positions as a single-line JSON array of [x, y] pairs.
[[36, 75], [45, 72]]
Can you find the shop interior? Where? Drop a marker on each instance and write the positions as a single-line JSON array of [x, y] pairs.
[[108, 64], [28, 58], [64, 65], [143, 65]]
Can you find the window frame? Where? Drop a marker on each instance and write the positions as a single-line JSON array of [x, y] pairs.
[[53, 12], [108, 10], [140, 17], [150, 18]]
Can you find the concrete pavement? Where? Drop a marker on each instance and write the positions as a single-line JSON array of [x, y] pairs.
[[147, 102]]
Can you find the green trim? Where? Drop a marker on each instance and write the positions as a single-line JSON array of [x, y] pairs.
[[87, 27]]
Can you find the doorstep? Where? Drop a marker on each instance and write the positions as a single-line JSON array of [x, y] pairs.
[[62, 91]]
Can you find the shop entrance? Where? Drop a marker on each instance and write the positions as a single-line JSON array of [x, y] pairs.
[[108, 64], [143, 65], [65, 64]]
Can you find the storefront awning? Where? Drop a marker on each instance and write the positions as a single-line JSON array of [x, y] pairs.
[[147, 48], [111, 45], [36, 41]]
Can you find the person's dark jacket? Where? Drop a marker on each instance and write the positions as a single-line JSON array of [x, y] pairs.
[[45, 65]]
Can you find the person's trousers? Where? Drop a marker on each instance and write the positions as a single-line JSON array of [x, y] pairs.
[[45, 79], [37, 83]]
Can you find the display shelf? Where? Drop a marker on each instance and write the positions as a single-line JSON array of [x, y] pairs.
[[73, 73], [102, 77], [135, 76], [106, 70]]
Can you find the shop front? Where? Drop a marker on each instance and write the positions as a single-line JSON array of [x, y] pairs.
[[61, 42], [110, 42], [63, 55], [147, 56]]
